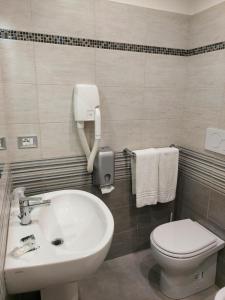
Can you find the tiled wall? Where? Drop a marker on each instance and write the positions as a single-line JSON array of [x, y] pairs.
[[132, 225], [141, 101], [4, 216], [201, 203], [147, 100], [201, 196], [3, 119], [204, 105]]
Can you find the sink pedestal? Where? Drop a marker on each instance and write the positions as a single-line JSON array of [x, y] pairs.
[[67, 291]]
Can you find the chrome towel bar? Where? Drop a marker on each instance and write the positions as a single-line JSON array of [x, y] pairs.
[[132, 154]]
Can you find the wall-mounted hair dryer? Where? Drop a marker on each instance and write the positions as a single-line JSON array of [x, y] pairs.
[[87, 108]]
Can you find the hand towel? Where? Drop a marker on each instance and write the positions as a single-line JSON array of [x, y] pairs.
[[168, 172], [145, 176]]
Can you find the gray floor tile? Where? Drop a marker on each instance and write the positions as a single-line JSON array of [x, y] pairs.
[[208, 294], [131, 277]]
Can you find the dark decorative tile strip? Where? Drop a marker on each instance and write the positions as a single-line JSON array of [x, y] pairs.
[[73, 41], [70, 172], [208, 170], [61, 173], [82, 42], [206, 49]]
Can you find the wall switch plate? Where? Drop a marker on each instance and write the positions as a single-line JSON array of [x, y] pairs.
[[215, 140], [25, 142], [2, 143]]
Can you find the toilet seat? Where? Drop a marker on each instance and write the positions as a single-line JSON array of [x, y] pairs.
[[183, 239]]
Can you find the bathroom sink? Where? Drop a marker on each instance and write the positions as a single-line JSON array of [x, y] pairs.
[[220, 295], [73, 233]]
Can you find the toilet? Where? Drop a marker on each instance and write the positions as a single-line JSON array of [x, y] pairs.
[[187, 255], [221, 294]]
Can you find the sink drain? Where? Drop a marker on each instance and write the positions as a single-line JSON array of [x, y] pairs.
[[57, 242]]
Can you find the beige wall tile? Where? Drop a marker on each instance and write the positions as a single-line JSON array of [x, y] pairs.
[[166, 29], [60, 64], [21, 103], [3, 156], [55, 103], [132, 24], [121, 134], [59, 140], [16, 130], [67, 17], [165, 71], [4, 133], [160, 132], [222, 113], [121, 103], [1, 59], [207, 71], [17, 61], [162, 103], [119, 68], [121, 22], [203, 104], [207, 27], [15, 14], [194, 130], [2, 106]]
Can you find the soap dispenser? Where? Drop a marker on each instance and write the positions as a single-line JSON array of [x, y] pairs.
[[103, 174]]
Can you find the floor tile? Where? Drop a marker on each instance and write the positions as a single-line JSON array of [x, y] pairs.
[[131, 277], [134, 276], [208, 294]]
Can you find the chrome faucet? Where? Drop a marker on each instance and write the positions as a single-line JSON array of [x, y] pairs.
[[26, 205]]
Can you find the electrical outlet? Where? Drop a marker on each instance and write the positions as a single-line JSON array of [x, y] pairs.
[[2, 143], [25, 142]]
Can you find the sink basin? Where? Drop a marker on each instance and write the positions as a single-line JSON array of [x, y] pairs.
[[74, 233], [220, 295]]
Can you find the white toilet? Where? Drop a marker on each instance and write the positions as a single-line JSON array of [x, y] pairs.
[[220, 295], [187, 255]]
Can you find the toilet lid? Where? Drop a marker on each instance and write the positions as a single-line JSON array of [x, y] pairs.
[[183, 237]]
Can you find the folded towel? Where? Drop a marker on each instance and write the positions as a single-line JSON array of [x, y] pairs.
[[168, 171], [145, 176]]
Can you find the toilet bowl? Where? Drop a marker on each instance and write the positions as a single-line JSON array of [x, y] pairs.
[[220, 295], [187, 254]]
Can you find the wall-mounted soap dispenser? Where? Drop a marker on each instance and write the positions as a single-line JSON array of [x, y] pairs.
[[103, 175], [87, 108]]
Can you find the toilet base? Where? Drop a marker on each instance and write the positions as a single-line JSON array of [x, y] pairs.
[[68, 291], [179, 285]]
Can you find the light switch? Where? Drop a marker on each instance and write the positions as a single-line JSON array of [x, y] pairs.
[[25, 142], [2, 143], [215, 140]]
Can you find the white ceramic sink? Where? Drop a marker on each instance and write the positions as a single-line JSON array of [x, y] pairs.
[[220, 295], [81, 220]]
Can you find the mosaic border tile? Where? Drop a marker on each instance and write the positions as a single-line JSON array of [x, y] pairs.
[[82, 42], [206, 49]]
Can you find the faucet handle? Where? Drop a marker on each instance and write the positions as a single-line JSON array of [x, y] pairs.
[[34, 201]]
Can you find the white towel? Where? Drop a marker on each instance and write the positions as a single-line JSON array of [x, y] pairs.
[[168, 171], [145, 176]]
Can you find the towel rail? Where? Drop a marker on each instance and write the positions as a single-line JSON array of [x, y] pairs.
[[129, 152], [132, 154]]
